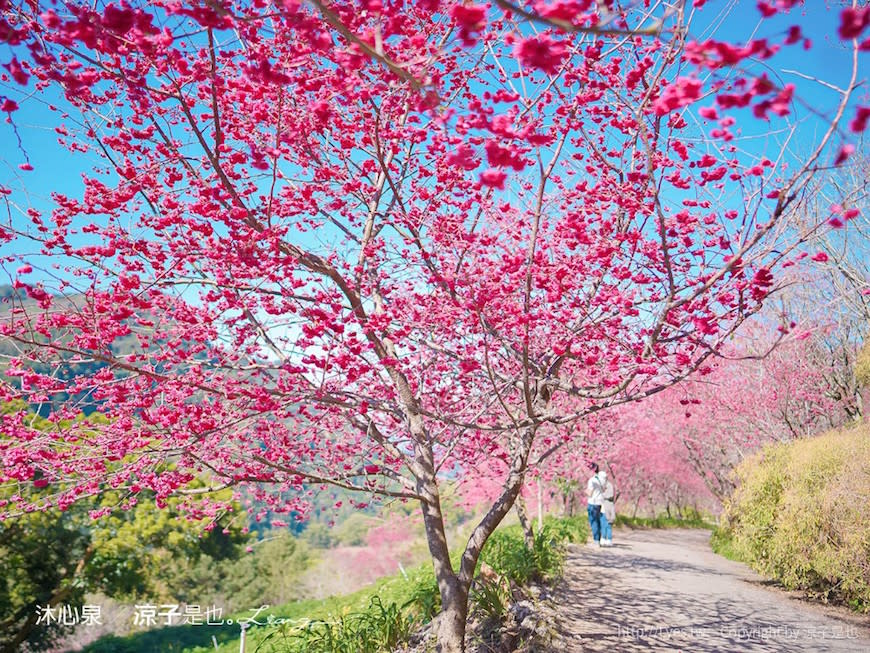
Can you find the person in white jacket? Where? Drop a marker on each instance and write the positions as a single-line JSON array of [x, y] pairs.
[[594, 498]]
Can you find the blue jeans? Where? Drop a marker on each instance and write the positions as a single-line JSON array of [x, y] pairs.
[[595, 518], [606, 528]]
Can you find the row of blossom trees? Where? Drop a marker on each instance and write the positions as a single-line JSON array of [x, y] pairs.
[[770, 385], [682, 445]]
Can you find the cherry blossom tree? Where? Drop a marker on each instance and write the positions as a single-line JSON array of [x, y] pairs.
[[842, 194], [762, 390], [379, 244], [841, 289]]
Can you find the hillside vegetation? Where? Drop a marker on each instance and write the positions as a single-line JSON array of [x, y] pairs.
[[801, 515], [383, 616]]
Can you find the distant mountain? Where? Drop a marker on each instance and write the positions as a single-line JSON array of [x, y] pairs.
[[7, 292], [11, 299]]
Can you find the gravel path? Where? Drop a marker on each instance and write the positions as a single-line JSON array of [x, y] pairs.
[[665, 590]]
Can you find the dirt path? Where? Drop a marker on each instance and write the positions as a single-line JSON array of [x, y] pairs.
[[665, 590]]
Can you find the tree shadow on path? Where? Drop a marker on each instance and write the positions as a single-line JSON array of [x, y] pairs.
[[666, 591]]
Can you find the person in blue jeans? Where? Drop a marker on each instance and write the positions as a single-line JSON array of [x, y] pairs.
[[594, 499]]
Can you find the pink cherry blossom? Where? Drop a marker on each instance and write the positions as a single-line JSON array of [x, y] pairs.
[[678, 95], [859, 122], [494, 178], [853, 21], [471, 20], [541, 53]]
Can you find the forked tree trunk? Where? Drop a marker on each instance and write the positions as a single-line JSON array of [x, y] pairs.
[[449, 626], [454, 585]]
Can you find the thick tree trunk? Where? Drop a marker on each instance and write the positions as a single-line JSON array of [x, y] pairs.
[[449, 625], [451, 622], [528, 534]]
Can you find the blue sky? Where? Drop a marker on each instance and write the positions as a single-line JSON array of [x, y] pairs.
[[57, 170]]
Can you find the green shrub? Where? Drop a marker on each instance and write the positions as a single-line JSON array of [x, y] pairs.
[[568, 529], [507, 554], [548, 552], [801, 515], [424, 600], [379, 617], [691, 519], [491, 597], [722, 542], [380, 627]]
